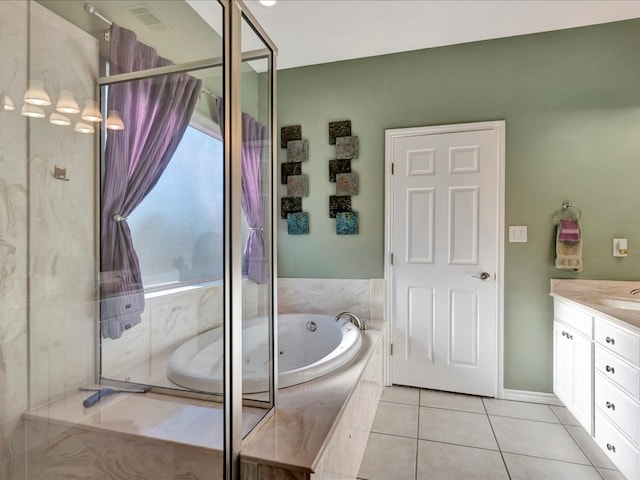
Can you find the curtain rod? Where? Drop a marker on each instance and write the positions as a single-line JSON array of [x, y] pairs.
[[91, 10]]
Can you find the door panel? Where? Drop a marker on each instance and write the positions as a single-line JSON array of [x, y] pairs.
[[445, 214]]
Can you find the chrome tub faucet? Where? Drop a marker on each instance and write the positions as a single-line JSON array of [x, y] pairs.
[[353, 319]]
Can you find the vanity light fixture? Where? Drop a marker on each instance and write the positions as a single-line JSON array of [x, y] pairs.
[[7, 103], [83, 128], [67, 103], [91, 112], [57, 119], [36, 94], [32, 111], [114, 122], [268, 3]]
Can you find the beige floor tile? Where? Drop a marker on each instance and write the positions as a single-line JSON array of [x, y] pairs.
[[399, 394], [538, 439], [527, 468], [460, 428], [443, 461], [590, 448], [451, 401], [388, 457], [529, 411], [564, 416], [396, 419], [610, 474]]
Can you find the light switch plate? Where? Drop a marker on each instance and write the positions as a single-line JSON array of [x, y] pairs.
[[518, 233]]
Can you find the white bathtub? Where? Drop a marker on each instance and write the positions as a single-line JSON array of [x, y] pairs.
[[304, 353]]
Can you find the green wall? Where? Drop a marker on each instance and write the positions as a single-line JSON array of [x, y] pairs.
[[571, 101]]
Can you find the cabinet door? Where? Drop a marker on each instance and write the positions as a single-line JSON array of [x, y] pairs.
[[582, 405], [562, 364], [573, 373]]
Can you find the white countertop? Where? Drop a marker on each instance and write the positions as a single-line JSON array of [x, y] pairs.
[[584, 293]]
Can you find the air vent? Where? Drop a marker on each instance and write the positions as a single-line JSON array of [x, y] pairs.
[[147, 17]]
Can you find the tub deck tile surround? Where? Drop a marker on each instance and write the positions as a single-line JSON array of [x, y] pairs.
[[297, 434], [292, 440]]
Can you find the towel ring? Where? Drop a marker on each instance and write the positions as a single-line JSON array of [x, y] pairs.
[[566, 206]]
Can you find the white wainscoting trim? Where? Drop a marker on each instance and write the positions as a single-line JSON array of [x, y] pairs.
[[531, 397]]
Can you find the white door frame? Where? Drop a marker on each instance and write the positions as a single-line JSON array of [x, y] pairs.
[[390, 135]]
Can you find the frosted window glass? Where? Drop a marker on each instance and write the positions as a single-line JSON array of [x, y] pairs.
[[177, 230]]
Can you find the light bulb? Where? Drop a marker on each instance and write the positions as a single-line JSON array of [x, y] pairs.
[[91, 112], [32, 111], [7, 103], [268, 3], [36, 95], [58, 119], [83, 128], [66, 103], [114, 122]]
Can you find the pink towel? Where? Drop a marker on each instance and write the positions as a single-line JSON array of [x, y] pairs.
[[569, 231]]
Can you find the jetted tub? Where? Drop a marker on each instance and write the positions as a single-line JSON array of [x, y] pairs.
[[309, 346]]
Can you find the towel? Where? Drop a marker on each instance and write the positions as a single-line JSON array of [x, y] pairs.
[[569, 246]]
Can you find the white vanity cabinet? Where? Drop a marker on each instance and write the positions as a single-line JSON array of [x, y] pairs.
[[596, 375], [617, 395], [573, 362]]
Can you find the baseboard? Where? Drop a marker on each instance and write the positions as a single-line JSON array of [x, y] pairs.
[[531, 397]]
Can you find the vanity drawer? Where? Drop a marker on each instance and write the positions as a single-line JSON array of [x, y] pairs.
[[622, 342], [577, 319], [617, 406], [622, 453], [618, 371]]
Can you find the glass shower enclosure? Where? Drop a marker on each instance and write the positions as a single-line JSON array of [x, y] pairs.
[[136, 237]]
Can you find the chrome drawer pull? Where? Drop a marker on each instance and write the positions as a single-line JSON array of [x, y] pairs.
[[610, 369], [610, 340], [564, 334], [611, 448], [610, 405]]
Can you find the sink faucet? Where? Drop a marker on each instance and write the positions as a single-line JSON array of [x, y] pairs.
[[353, 319], [635, 291]]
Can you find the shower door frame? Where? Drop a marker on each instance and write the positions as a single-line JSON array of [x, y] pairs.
[[234, 11]]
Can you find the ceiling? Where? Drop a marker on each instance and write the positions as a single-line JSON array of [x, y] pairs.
[[309, 32]]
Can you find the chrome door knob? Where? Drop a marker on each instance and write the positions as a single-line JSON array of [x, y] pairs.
[[482, 276]]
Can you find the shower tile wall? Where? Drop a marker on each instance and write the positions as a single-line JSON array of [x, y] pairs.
[[331, 296], [62, 263], [13, 241], [45, 222]]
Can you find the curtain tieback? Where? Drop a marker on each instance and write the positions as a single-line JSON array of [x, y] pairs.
[[255, 228], [118, 218]]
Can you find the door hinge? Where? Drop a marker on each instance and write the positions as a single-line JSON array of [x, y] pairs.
[[392, 169], [391, 349], [391, 258]]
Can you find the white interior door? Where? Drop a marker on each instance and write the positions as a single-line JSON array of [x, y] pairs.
[[446, 243]]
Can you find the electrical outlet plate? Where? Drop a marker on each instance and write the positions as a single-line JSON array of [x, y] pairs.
[[620, 247]]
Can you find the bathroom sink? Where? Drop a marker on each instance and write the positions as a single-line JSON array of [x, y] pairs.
[[617, 302]]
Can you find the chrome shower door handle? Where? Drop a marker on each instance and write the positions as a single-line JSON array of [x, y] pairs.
[[483, 276]]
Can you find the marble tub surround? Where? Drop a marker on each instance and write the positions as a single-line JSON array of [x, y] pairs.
[[159, 436], [364, 297], [587, 293], [145, 436], [310, 417]]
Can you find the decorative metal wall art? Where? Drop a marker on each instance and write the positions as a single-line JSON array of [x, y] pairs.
[[347, 182], [297, 184]]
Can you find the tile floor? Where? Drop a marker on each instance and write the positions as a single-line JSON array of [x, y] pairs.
[[426, 434]]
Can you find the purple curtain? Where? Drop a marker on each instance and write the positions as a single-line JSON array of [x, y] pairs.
[[254, 136], [155, 112]]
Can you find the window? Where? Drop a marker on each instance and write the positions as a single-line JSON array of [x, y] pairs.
[[177, 230]]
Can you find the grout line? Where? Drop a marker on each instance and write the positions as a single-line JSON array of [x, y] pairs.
[[527, 419], [504, 462]]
